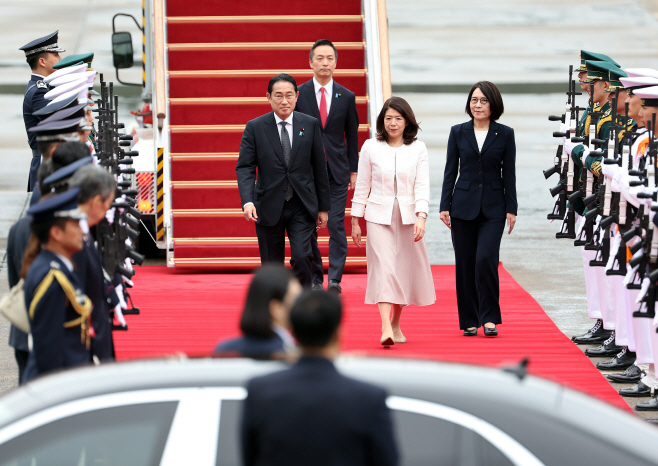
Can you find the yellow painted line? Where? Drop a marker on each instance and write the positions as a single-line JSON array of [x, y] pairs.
[[266, 19], [204, 157], [258, 73], [260, 46]]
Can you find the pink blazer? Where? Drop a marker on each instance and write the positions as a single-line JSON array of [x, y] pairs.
[[379, 166]]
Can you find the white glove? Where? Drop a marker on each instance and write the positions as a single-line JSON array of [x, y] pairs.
[[119, 314], [630, 274], [609, 170], [614, 249], [109, 215], [122, 300], [643, 290]]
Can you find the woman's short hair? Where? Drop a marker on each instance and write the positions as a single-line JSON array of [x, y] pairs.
[[492, 94], [402, 107], [270, 282]]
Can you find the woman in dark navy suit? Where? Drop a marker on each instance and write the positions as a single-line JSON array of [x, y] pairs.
[[475, 206]]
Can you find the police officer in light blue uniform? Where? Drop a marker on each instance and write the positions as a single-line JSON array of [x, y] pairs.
[[59, 312], [41, 55]]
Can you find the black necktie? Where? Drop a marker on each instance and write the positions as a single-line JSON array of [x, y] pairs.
[[285, 146]]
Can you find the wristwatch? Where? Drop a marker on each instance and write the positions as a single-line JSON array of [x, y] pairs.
[[422, 215]]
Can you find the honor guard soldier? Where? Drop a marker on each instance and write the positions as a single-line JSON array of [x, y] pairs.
[[41, 55], [59, 312], [582, 69]]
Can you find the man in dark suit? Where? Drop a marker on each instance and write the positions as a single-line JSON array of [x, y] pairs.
[[310, 413], [335, 107], [282, 178]]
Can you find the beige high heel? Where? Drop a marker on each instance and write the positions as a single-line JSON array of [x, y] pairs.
[[399, 339], [387, 339]]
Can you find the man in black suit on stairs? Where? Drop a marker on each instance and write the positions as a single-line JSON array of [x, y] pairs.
[[311, 414], [335, 107], [282, 178]]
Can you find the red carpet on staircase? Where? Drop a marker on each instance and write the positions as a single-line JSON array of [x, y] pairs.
[[190, 312]]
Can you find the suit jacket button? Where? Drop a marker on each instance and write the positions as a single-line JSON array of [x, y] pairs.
[[479, 160], [479, 173], [480, 186]]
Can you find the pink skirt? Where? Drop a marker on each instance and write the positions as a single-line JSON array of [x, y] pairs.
[[398, 268]]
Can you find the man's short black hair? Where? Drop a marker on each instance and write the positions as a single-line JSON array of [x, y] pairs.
[[33, 60], [281, 77], [321, 42], [69, 152], [315, 317]]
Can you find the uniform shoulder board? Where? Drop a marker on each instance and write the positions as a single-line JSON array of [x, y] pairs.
[[41, 85], [55, 265]]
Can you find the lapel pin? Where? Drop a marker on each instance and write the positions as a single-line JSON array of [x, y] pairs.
[[337, 95]]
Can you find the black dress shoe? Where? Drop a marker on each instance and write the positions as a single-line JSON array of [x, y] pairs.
[[334, 287], [608, 348], [317, 287], [623, 360], [637, 390], [490, 332], [649, 405], [471, 333], [631, 375], [596, 334]]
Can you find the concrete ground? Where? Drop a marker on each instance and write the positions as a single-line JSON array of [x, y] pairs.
[[439, 48]]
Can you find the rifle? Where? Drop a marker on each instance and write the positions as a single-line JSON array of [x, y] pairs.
[[113, 237], [562, 162]]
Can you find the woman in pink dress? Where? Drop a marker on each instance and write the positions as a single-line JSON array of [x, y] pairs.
[[393, 194]]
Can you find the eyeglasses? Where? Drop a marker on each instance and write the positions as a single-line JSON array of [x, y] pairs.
[[281, 98], [482, 100]]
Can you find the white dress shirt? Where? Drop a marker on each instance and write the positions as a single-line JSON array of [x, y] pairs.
[[288, 126], [66, 260], [329, 89]]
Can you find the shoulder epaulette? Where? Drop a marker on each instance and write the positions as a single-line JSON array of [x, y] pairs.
[[80, 303], [606, 118]]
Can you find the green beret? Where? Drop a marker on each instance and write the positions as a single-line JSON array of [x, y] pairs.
[[598, 70], [614, 76], [72, 60], [585, 55]]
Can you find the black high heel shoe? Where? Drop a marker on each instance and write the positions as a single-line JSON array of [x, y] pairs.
[[471, 333], [490, 332]]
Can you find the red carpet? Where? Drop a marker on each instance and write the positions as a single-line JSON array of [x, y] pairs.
[[190, 313]]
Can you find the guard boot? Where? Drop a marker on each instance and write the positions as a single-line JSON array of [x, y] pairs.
[[649, 405], [623, 360], [597, 334], [631, 375], [608, 348]]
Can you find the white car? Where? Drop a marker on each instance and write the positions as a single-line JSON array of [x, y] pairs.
[[187, 412]]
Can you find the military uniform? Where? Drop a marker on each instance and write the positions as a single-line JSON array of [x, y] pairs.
[[60, 314], [34, 98]]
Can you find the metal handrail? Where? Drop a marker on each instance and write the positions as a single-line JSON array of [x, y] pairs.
[[382, 20], [159, 61]]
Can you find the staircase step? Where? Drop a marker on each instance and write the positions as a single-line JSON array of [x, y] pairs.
[[203, 167], [352, 264], [229, 110], [287, 28], [188, 251], [225, 138], [270, 55], [250, 83], [242, 8], [204, 195], [225, 222]]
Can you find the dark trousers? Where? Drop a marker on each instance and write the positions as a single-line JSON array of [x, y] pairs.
[[337, 237], [477, 245], [21, 360], [298, 223], [35, 163]]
